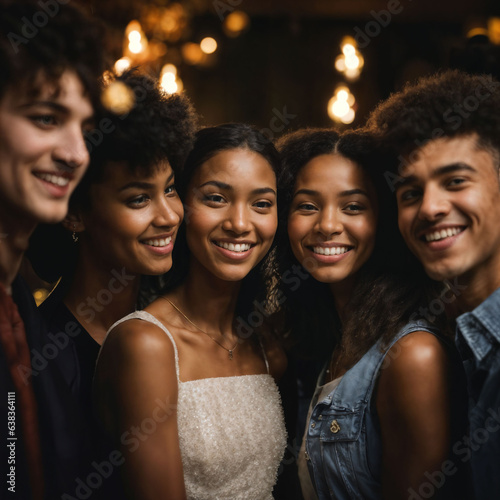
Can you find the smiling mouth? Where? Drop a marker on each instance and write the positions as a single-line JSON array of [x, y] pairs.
[[57, 180], [330, 250], [442, 234], [233, 247], [161, 242]]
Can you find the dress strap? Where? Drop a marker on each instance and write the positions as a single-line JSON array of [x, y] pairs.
[[145, 316], [264, 354]]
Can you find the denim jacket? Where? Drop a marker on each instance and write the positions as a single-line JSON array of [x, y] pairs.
[[478, 339], [343, 444]]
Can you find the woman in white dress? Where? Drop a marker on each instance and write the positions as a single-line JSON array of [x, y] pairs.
[[187, 386]]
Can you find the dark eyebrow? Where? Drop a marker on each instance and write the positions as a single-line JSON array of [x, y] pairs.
[[445, 169], [348, 192], [142, 184], [48, 104], [308, 192], [223, 185]]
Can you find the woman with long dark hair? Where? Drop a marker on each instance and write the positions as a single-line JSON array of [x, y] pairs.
[[187, 386], [384, 415]]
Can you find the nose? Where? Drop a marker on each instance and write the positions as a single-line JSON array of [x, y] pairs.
[[237, 220], [168, 213], [72, 151], [329, 222], [434, 204]]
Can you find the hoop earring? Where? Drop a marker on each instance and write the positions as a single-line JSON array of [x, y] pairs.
[[74, 235]]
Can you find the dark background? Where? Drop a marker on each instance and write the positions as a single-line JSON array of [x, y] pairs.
[[286, 57]]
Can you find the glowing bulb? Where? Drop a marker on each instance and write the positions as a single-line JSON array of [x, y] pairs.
[[135, 48], [169, 68], [342, 95], [348, 117], [340, 63], [352, 61], [340, 108], [208, 45], [348, 50], [122, 65], [236, 22], [134, 37]]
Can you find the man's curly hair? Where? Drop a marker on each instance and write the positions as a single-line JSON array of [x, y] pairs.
[[448, 104], [39, 43]]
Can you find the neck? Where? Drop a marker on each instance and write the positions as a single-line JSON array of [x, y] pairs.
[[342, 293], [14, 239], [99, 296], [208, 302], [474, 288]]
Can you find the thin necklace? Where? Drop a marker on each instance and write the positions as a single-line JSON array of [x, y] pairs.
[[230, 351]]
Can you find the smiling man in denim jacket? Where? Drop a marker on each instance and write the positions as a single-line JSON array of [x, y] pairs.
[[445, 131]]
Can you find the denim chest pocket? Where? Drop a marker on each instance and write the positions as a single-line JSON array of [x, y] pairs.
[[341, 425]]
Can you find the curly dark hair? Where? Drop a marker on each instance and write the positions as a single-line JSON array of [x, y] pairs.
[[448, 104], [391, 285], [209, 142], [39, 41], [159, 127]]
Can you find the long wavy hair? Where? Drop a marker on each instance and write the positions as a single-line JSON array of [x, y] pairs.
[[254, 292], [391, 287]]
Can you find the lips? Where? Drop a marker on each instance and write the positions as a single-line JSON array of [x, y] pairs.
[[56, 179], [442, 233], [320, 250], [158, 242], [234, 247]]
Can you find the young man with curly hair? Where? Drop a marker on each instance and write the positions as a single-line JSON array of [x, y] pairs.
[[50, 55], [445, 131]]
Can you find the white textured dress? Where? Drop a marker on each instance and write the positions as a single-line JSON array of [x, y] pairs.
[[231, 432]]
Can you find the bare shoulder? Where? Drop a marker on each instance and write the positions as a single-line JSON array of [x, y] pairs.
[[415, 369], [135, 340], [415, 353], [275, 356]]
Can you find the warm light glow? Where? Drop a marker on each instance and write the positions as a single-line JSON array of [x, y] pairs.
[[134, 36], [170, 69], [352, 62], [348, 50], [170, 84], [340, 63], [122, 65], [118, 98], [348, 117], [192, 53], [236, 22], [208, 45], [342, 95], [133, 26], [352, 74], [339, 106]]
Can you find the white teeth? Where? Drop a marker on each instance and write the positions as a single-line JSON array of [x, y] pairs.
[[330, 250], [163, 242], [54, 179], [444, 233], [239, 247]]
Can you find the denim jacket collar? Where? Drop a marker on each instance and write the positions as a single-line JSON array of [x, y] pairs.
[[480, 328]]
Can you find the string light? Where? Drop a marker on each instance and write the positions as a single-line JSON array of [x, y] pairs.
[[208, 45], [350, 62], [340, 106]]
